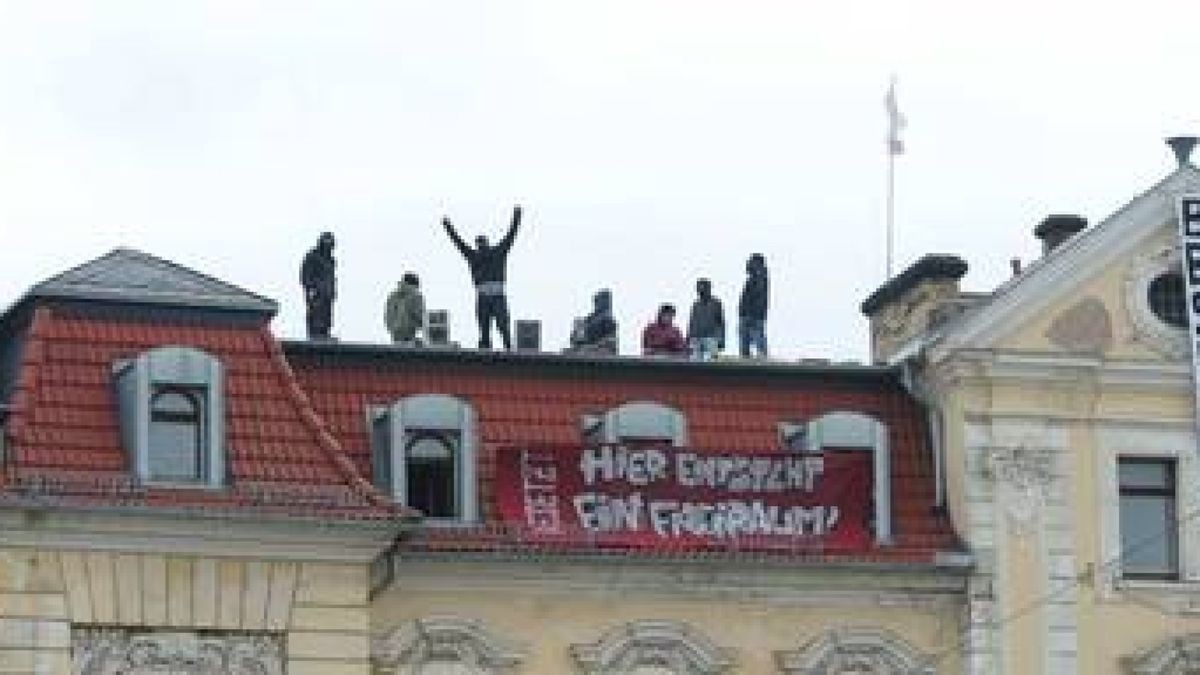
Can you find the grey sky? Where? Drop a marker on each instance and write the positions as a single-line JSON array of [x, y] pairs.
[[650, 141]]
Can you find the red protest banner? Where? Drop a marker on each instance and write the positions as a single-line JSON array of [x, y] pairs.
[[656, 496]]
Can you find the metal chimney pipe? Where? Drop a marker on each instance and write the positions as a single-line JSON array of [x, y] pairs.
[[1182, 146]]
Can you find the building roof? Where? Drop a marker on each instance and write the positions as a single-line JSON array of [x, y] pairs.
[[1075, 260], [131, 276], [65, 446], [526, 399], [296, 412]]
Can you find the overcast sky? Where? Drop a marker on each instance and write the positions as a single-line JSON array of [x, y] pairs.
[[651, 142]]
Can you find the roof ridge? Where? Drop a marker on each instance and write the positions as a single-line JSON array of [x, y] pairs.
[[308, 415]]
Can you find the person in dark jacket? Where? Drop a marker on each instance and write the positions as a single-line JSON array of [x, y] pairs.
[[706, 325], [318, 277], [488, 269], [752, 308], [597, 332], [662, 337]]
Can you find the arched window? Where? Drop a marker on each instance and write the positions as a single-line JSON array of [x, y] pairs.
[[854, 431], [424, 449], [176, 448], [638, 423], [172, 406]]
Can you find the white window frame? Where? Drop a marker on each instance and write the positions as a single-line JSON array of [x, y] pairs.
[[181, 367], [856, 430], [434, 413], [1162, 441], [645, 420]]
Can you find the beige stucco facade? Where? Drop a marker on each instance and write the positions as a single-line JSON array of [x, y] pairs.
[[744, 617], [319, 609], [1040, 391], [305, 598], [290, 596]]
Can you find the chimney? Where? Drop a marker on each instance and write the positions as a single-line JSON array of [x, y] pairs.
[[1182, 146], [907, 304], [1057, 228]]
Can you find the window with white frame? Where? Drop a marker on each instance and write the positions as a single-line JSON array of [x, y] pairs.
[[1149, 533], [171, 404], [848, 431], [424, 455], [1146, 475], [637, 423]]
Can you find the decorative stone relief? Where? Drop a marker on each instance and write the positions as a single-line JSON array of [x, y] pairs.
[[444, 643], [116, 651], [860, 651], [1176, 656], [1148, 329], [1084, 327], [668, 645], [1024, 475]]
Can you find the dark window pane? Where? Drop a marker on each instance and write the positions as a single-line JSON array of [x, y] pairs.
[[432, 468], [1166, 296], [1148, 535], [1145, 474], [175, 442]]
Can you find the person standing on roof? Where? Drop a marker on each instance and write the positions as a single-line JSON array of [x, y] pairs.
[[752, 308], [597, 332], [488, 265], [662, 337], [405, 314], [706, 325], [318, 277]]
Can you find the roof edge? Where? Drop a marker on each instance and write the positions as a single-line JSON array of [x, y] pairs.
[[374, 353]]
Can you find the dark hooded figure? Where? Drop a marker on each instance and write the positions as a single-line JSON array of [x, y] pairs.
[[488, 265], [752, 308], [598, 330], [706, 325], [318, 276]]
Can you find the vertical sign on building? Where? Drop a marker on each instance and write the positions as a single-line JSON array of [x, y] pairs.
[[1189, 233]]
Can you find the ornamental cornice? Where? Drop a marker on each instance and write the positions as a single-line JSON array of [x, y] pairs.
[[102, 651], [673, 645], [874, 651], [445, 639]]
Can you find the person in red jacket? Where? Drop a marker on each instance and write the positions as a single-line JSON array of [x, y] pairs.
[[662, 337]]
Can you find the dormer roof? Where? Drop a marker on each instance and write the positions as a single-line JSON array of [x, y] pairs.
[[126, 275]]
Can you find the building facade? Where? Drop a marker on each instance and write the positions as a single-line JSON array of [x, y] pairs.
[[1063, 409], [184, 493]]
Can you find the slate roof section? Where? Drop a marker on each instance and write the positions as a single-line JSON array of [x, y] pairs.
[[66, 448], [539, 400], [131, 276]]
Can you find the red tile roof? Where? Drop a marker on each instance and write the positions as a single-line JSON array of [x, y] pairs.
[[63, 422], [534, 400]]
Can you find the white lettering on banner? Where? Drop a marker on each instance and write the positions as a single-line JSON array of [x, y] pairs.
[[607, 463], [681, 494], [748, 474], [1189, 235], [539, 486]]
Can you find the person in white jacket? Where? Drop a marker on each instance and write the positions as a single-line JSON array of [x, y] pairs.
[[405, 314]]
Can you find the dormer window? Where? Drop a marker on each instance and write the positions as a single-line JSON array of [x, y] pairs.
[[172, 416], [424, 455], [846, 431], [637, 423]]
